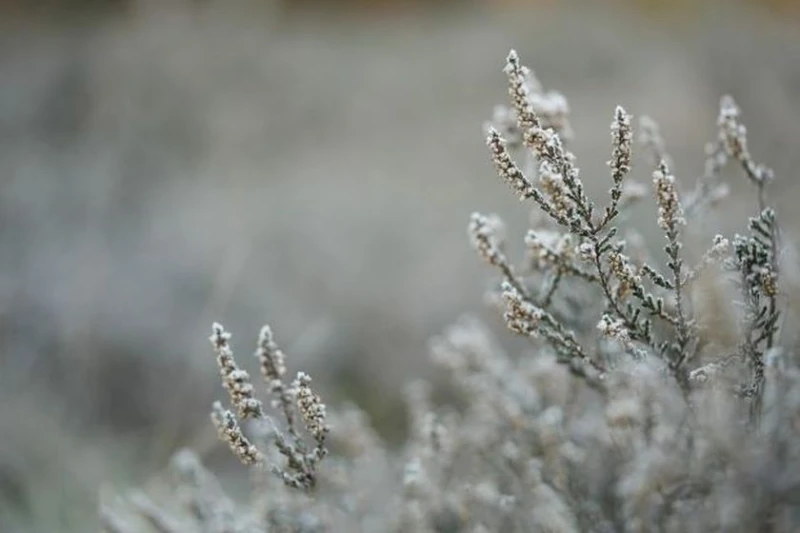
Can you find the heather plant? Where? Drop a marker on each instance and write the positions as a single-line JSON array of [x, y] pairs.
[[579, 242], [627, 412]]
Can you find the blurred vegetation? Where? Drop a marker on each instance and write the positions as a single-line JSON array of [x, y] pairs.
[[382, 6]]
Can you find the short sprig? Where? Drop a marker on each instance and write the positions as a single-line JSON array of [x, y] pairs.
[[299, 468]]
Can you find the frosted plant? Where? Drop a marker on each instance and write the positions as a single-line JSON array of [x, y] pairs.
[[620, 416], [300, 462], [647, 310]]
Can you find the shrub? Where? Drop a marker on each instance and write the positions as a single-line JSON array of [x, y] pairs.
[[630, 412]]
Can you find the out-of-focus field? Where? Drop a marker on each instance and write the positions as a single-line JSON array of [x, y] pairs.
[[165, 167]]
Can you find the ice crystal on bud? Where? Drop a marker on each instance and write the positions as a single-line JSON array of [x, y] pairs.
[[235, 380], [486, 233], [273, 365], [506, 168], [670, 212], [522, 316], [613, 328], [310, 406]]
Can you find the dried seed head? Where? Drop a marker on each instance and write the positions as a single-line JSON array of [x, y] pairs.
[[621, 141], [230, 432], [624, 271], [614, 328], [549, 248], [520, 84], [311, 407], [235, 380], [270, 356], [521, 316], [670, 212], [487, 235], [552, 182], [506, 168]]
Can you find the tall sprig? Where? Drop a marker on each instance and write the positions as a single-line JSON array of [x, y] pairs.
[[755, 256]]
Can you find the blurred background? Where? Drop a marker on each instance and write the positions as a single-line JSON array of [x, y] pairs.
[[311, 164]]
